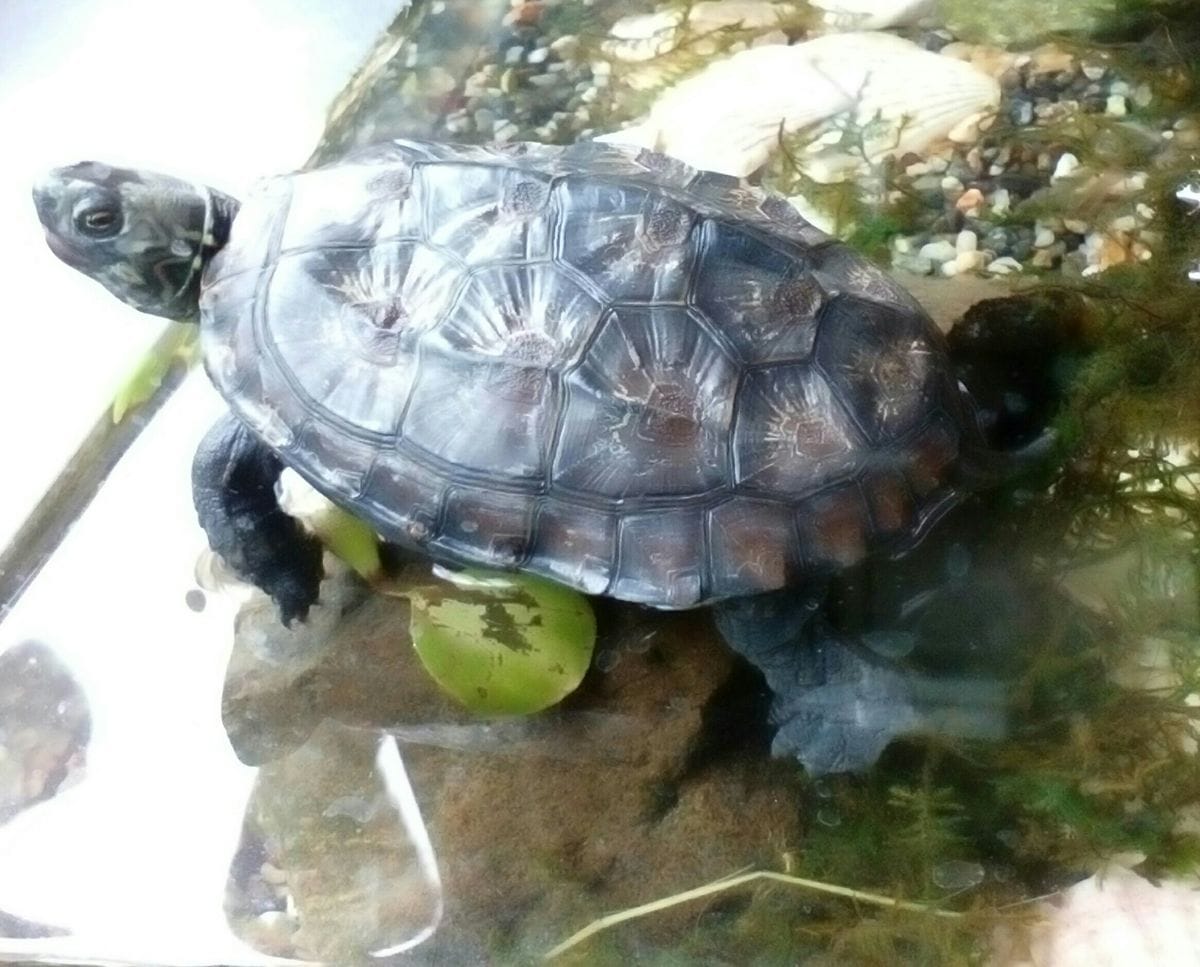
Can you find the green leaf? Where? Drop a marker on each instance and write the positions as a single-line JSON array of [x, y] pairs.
[[502, 643], [348, 539]]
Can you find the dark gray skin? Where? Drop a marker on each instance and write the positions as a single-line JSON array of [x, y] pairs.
[[146, 238]]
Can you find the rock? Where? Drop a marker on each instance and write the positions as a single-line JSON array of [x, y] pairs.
[[1115, 106], [914, 264], [938, 252], [1001, 200], [537, 844], [966, 242], [969, 261], [1066, 166], [1050, 256], [971, 202], [1005, 265], [1043, 238], [45, 725]]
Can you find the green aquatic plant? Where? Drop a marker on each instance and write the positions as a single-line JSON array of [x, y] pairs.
[[179, 345]]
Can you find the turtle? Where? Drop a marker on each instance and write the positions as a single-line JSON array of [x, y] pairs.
[[592, 362]]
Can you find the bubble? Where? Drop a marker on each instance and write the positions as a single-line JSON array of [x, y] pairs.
[[607, 659], [957, 875], [195, 600], [829, 817]]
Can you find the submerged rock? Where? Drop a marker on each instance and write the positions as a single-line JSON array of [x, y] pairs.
[[45, 725]]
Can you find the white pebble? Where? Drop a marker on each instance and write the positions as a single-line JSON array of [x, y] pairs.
[[1044, 238], [942, 251], [539, 55], [969, 261], [1118, 87], [1093, 72], [1067, 165], [1142, 95], [951, 186], [505, 132], [1005, 265], [967, 241], [1115, 106], [1145, 211], [1076, 225], [1126, 223], [1001, 200]]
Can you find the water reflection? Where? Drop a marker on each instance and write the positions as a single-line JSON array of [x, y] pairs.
[[45, 725], [334, 863]]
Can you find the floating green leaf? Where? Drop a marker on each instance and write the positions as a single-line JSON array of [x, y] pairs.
[[502, 643]]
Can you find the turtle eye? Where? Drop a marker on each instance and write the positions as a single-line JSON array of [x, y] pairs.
[[98, 222]]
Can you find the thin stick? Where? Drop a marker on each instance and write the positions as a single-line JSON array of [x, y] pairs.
[[728, 883]]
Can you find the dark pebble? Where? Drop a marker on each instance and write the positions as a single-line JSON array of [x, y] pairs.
[[1021, 112]]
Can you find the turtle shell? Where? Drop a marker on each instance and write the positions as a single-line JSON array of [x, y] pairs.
[[593, 363]]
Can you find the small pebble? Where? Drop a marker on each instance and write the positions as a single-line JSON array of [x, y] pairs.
[[913, 264], [938, 252], [1067, 165], [1001, 201], [1005, 265], [539, 55], [970, 202], [1076, 225], [952, 187], [1043, 238], [566, 46], [1115, 106], [966, 242], [969, 261]]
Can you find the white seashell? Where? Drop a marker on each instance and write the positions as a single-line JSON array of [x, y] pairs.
[[1112, 918], [871, 14], [642, 37], [899, 97]]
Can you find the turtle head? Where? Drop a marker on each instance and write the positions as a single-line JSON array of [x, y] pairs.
[[145, 237]]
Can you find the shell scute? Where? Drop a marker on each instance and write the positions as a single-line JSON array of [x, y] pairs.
[[662, 558], [485, 214], [791, 436], [752, 546], [480, 523], [763, 299], [633, 244], [884, 364], [648, 410], [575, 544]]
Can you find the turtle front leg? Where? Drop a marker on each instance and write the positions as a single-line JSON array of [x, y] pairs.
[[233, 487]]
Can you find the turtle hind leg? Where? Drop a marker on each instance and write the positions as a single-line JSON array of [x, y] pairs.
[[233, 488]]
